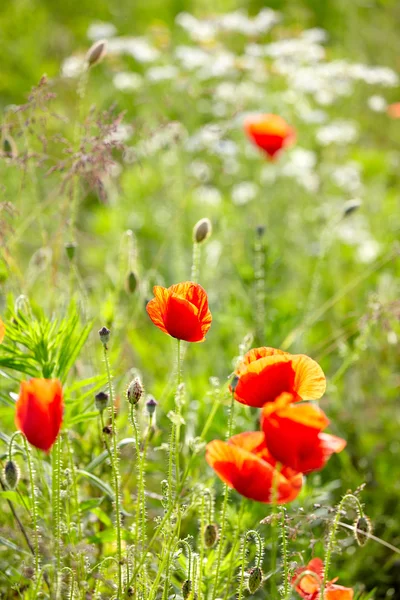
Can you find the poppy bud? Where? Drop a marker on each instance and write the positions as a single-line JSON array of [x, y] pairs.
[[9, 147], [134, 391], [202, 230], [70, 248], [107, 430], [104, 334], [210, 535], [362, 529], [186, 588], [96, 53], [255, 579], [151, 406], [131, 282], [101, 400], [11, 474], [234, 383], [351, 206]]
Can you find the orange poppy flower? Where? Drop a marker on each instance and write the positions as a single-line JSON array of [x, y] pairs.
[[393, 110], [181, 311], [39, 411], [293, 434], [245, 464], [265, 373], [309, 587], [269, 132], [2, 331]]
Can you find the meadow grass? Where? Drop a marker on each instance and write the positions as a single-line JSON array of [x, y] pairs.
[[104, 173]]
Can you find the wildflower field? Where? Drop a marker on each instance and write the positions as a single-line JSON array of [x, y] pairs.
[[199, 301]]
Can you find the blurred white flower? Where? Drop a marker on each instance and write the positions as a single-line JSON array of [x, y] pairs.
[[337, 132], [244, 192], [199, 30], [377, 103], [191, 58], [162, 73], [299, 165], [121, 134], [368, 251], [137, 47], [207, 194], [348, 177], [73, 66], [200, 170], [127, 82], [99, 30]]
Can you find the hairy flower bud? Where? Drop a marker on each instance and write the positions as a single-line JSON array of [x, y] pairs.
[[96, 53], [101, 400], [255, 579], [210, 535], [202, 230], [186, 588], [104, 335], [70, 249], [362, 529], [151, 405], [131, 282], [134, 391], [11, 474]]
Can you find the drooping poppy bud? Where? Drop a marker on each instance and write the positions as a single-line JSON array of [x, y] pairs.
[[255, 579], [362, 530], [131, 282], [210, 535], [39, 411], [186, 588], [11, 474]]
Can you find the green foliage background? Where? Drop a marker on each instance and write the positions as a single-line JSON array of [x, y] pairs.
[[347, 330]]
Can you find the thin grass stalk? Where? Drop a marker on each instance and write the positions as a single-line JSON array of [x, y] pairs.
[[285, 556], [252, 533], [56, 509], [115, 470], [33, 501], [224, 508]]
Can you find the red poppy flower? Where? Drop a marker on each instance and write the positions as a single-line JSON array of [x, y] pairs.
[[293, 434], [309, 586], [245, 464], [181, 311], [393, 110], [269, 132], [39, 411], [2, 331], [265, 373]]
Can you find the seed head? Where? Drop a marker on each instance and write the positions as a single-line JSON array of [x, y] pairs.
[[11, 474], [104, 334], [96, 53], [362, 529], [255, 579], [210, 535], [134, 391], [101, 400], [202, 230]]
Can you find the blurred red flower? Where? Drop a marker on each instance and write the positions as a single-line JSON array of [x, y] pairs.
[[293, 434], [181, 311], [309, 586], [269, 132], [245, 464], [2, 331], [265, 373], [39, 411], [393, 110]]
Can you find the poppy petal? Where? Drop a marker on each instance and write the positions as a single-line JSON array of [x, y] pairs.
[[310, 381]]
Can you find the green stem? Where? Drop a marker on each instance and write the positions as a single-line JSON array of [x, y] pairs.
[[332, 535], [56, 500], [286, 586], [195, 262], [114, 465], [274, 541], [224, 508], [178, 415], [33, 507]]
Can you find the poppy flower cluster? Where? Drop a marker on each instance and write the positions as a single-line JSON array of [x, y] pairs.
[[268, 465]]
